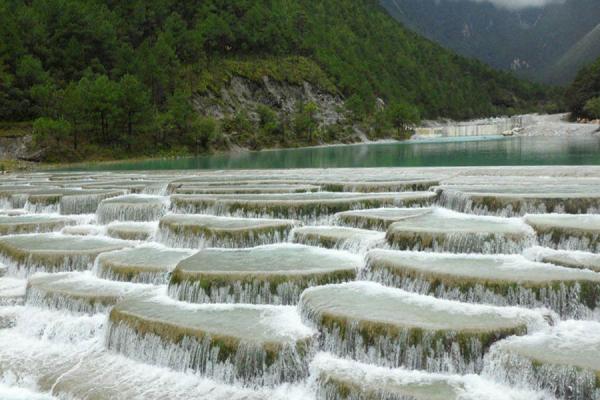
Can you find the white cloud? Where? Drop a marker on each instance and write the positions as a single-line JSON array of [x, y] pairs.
[[519, 4]]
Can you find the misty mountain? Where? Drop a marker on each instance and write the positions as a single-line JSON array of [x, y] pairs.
[[548, 44]]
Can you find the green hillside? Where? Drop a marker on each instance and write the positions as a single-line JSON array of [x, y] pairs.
[[103, 78], [584, 93]]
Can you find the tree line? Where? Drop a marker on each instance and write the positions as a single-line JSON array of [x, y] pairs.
[[110, 78], [583, 94]]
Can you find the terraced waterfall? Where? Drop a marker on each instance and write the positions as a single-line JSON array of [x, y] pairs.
[[335, 284]]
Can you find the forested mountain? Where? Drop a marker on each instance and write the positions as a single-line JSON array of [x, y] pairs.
[[548, 44], [114, 78], [581, 54], [584, 93]]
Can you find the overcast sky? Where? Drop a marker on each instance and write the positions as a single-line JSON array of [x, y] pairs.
[[519, 4]]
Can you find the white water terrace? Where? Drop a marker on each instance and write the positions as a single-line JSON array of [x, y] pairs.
[[340, 284]]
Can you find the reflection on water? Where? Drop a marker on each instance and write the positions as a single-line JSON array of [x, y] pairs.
[[574, 150]]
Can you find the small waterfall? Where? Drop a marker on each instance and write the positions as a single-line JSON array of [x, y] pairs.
[[379, 187], [313, 211], [430, 351], [27, 265], [503, 205], [5, 202], [42, 208], [85, 203], [481, 127], [280, 291], [355, 245], [151, 278], [555, 240], [18, 200], [358, 244], [254, 292], [378, 219], [464, 203], [79, 292], [55, 326], [64, 354], [132, 208], [58, 301], [564, 381], [146, 264], [242, 363], [483, 243], [157, 189], [343, 379], [330, 389], [274, 274], [433, 351], [41, 224], [314, 217], [181, 238], [568, 300], [103, 270]]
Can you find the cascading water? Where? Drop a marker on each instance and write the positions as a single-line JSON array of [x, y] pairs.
[[515, 202], [275, 274], [200, 231], [132, 208], [249, 345], [538, 360], [390, 327], [85, 203], [481, 127], [112, 297], [354, 240], [498, 279]]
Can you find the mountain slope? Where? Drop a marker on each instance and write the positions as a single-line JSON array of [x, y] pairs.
[[530, 41], [584, 88], [582, 53], [121, 74]]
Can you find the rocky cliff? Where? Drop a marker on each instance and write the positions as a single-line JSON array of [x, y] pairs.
[[245, 95]]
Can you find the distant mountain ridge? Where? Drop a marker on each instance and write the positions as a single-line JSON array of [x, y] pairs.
[[584, 52], [548, 44]]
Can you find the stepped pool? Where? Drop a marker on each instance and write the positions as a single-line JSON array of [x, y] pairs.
[[477, 283]]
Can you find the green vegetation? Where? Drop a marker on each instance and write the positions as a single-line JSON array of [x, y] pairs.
[[584, 93], [592, 108], [103, 79], [15, 129]]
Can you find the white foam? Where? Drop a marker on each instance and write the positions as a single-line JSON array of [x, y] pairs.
[[468, 387], [575, 258], [85, 370], [534, 318], [285, 321], [18, 393]]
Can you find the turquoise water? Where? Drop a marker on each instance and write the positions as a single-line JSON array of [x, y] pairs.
[[574, 150]]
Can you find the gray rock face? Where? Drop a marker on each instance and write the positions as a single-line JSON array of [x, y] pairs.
[[15, 148], [242, 94]]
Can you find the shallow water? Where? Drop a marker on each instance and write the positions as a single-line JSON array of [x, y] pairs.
[[114, 319], [563, 150]]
